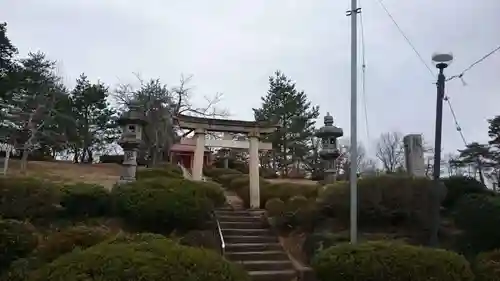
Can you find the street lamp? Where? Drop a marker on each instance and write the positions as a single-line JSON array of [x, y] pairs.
[[441, 61]]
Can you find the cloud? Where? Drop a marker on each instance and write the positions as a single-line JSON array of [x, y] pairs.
[[232, 46]]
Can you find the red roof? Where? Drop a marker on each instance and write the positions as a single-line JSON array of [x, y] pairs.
[[177, 147]]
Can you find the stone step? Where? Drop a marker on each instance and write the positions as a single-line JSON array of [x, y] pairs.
[[236, 231], [241, 225], [273, 275], [252, 247], [224, 218], [257, 256], [249, 239], [266, 265]]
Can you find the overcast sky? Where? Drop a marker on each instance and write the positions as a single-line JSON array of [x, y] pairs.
[[232, 46]]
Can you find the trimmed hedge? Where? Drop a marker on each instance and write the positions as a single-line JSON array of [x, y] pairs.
[[168, 171], [28, 198], [17, 240], [83, 199], [459, 186], [162, 204], [226, 179], [285, 191], [478, 216], [389, 200], [275, 207], [151, 259], [487, 266], [54, 246], [66, 240], [385, 261], [215, 173]]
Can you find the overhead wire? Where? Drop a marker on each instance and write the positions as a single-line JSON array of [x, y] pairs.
[[446, 98], [461, 74], [363, 74]]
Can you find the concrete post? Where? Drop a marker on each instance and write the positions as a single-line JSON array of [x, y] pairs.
[[414, 155], [254, 171], [199, 153]]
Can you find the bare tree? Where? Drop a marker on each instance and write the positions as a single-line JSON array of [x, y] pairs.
[[344, 160], [390, 151], [161, 103]]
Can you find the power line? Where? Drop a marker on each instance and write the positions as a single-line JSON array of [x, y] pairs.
[[457, 125], [363, 74], [446, 98], [473, 64], [405, 37]]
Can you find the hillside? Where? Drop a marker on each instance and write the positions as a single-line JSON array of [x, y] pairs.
[[62, 171]]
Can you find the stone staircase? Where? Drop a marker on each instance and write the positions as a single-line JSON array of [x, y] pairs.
[[254, 246]]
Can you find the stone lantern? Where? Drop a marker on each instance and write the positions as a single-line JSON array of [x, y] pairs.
[[132, 123], [329, 151]]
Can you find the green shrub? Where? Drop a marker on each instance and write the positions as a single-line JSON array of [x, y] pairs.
[[227, 178], [296, 203], [215, 173], [169, 171], [162, 205], [239, 182], [487, 266], [284, 191], [64, 241], [478, 216], [126, 238], [207, 239], [157, 259], [385, 261], [54, 246], [458, 186], [28, 198], [275, 207], [212, 191], [83, 199], [17, 239], [389, 200], [319, 241], [244, 192]]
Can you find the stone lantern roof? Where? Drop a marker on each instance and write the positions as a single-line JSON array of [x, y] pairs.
[[329, 130], [133, 116]]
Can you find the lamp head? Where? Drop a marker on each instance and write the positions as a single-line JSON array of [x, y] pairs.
[[442, 60]]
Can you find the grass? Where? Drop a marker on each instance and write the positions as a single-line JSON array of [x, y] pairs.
[[66, 172]]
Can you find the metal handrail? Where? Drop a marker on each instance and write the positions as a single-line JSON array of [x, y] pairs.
[[219, 230]]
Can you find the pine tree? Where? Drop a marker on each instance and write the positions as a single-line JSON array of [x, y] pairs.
[[284, 103], [92, 117]]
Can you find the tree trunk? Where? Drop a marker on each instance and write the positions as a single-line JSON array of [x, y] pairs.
[[90, 156], [24, 161], [76, 155]]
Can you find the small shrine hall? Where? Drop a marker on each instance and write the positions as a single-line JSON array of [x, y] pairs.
[[183, 153]]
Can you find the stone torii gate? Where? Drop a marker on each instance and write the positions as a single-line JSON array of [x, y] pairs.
[[253, 129]]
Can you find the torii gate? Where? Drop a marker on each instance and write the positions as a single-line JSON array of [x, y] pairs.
[[253, 129]]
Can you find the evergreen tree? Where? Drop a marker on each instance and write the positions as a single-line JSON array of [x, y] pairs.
[[475, 155], [284, 103], [92, 117], [32, 103]]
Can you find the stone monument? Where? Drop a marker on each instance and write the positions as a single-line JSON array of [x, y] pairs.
[[414, 155], [329, 151], [132, 123]]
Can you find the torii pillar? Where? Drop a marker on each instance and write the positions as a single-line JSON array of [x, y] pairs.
[[199, 153], [253, 170]]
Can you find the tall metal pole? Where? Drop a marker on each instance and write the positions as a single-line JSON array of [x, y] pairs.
[[354, 125], [436, 173]]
